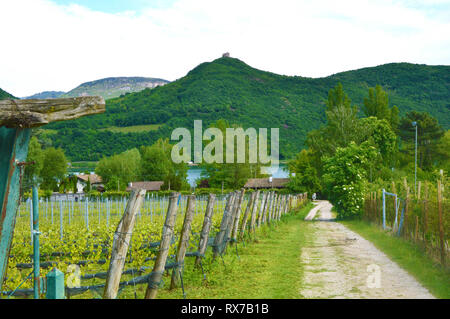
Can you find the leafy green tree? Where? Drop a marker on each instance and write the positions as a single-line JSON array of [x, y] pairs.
[[377, 105], [345, 177], [429, 132], [381, 135], [119, 170], [32, 172], [306, 178], [230, 175], [157, 165], [54, 168], [343, 125]]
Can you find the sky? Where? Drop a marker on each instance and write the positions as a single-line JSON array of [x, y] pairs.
[[56, 45]]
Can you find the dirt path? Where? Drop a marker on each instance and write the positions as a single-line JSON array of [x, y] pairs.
[[338, 263]]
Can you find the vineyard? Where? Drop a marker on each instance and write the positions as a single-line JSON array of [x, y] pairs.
[[81, 239], [420, 217]]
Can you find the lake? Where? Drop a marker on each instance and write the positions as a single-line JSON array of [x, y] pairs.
[[195, 172]]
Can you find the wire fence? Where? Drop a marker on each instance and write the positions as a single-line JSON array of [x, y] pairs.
[[423, 221]]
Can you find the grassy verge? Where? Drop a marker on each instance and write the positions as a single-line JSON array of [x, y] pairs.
[[268, 267], [408, 256]]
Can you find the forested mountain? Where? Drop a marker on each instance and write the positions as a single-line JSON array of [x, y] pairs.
[[114, 87], [45, 95], [230, 89], [5, 95]]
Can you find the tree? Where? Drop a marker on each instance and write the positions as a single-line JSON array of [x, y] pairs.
[[429, 132], [157, 165], [231, 175], [306, 178], [342, 126], [377, 105], [345, 176], [32, 172], [54, 168], [119, 170]]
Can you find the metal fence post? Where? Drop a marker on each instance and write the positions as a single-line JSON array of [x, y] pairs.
[[55, 284]]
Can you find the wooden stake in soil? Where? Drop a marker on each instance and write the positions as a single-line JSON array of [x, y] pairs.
[[166, 238], [441, 223], [246, 215], [220, 236], [261, 208], [237, 216], [121, 242], [184, 241], [254, 211], [204, 236]]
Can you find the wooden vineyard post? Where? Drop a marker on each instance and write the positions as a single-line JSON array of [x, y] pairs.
[[121, 242], [246, 215], [220, 236], [416, 231], [425, 215], [237, 216], [441, 223], [166, 238], [254, 212], [262, 207], [184, 241], [405, 220], [267, 206], [204, 236]]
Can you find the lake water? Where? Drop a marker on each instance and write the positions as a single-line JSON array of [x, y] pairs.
[[194, 173]]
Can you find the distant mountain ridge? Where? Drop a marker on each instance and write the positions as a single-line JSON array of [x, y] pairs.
[[227, 88], [45, 95], [113, 87]]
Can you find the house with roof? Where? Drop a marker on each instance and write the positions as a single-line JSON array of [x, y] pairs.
[[149, 186], [266, 183], [94, 179]]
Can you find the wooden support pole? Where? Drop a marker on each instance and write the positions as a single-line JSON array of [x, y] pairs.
[[166, 238], [262, 207], [184, 241], [247, 214], [441, 223], [254, 212], [425, 215], [237, 216], [204, 236], [268, 206], [220, 236], [121, 243]]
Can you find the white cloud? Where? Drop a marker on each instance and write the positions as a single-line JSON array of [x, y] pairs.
[[45, 46]]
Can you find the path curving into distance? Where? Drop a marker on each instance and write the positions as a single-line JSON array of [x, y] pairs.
[[339, 263]]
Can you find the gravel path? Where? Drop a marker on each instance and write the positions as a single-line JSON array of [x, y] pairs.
[[338, 263]]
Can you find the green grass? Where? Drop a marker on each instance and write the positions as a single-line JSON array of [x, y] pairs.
[[268, 267], [408, 256], [132, 129]]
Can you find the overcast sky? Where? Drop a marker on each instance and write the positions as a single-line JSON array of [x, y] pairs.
[[56, 45]]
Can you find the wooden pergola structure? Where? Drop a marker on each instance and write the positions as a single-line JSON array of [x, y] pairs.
[[17, 118]]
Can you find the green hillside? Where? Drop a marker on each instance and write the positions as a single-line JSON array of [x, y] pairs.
[[5, 95], [230, 89]]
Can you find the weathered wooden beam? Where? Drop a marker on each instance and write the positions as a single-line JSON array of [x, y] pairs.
[[34, 113], [183, 243], [121, 242], [166, 238], [207, 222]]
